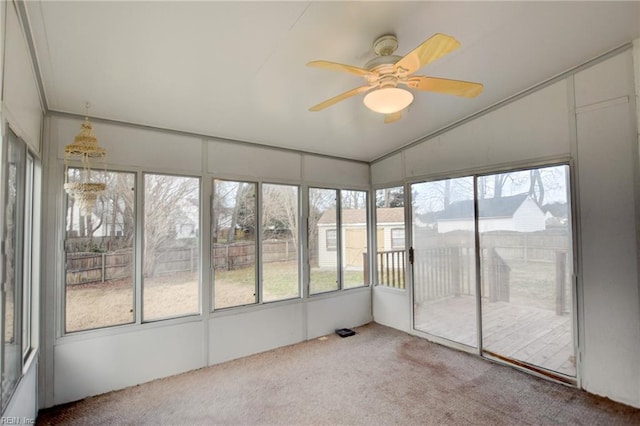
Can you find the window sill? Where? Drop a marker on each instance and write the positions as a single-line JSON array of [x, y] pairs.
[[97, 333]]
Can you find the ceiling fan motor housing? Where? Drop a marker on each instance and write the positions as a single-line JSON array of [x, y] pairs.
[[385, 45]]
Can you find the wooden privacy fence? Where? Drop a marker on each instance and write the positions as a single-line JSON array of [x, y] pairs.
[[84, 268], [537, 246], [232, 256], [90, 267], [173, 260], [241, 254]]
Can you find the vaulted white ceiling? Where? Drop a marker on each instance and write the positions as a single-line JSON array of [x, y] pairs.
[[236, 70]]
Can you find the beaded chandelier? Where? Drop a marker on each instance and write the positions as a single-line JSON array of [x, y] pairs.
[[85, 148]]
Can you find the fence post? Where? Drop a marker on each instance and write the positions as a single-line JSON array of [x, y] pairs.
[[561, 269], [103, 267]]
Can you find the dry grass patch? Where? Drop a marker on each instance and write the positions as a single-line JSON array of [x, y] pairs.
[[97, 305]]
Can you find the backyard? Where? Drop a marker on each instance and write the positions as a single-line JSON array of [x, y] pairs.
[[110, 303]]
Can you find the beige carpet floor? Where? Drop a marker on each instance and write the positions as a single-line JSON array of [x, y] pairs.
[[380, 376]]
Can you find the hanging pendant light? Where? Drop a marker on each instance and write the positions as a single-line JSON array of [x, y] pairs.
[[388, 100], [86, 149]]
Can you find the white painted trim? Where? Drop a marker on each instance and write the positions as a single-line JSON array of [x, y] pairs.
[[604, 104]]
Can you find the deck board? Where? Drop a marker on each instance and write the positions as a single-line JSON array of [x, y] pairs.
[[526, 333]]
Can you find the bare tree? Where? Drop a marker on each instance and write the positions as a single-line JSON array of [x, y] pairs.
[[438, 195], [354, 199], [234, 208], [280, 210], [390, 197], [321, 202], [168, 200]]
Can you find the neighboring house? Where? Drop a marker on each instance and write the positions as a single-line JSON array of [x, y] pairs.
[[390, 228], [354, 237], [186, 228], [104, 223], [186, 224], [513, 213], [390, 234]]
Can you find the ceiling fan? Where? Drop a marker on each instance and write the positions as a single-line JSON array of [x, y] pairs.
[[386, 71]]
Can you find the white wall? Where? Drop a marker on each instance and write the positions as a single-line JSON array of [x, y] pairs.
[[24, 404], [325, 313], [21, 109], [339, 173], [392, 307], [21, 100], [250, 330], [599, 135], [94, 362], [536, 126], [608, 178]]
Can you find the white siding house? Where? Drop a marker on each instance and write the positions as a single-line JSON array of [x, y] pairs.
[[513, 213]]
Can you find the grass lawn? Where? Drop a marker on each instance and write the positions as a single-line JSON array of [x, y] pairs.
[[112, 303]]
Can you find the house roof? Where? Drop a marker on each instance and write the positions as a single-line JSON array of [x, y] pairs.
[[488, 208], [389, 215], [352, 216]]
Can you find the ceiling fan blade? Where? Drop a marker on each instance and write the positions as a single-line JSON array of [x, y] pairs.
[[339, 67], [340, 97], [466, 89], [433, 48], [393, 117]]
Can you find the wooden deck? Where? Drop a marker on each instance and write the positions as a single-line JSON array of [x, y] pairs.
[[529, 334]]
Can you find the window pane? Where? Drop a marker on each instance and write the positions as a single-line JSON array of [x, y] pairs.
[[323, 240], [13, 244], [100, 257], [354, 239], [444, 259], [171, 251], [234, 243], [280, 275], [390, 255], [331, 240], [397, 238], [526, 257], [28, 244]]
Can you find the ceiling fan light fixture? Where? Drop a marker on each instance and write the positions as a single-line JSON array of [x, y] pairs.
[[388, 100]]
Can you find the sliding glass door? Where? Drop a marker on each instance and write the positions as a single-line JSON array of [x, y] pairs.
[[444, 285], [525, 239], [492, 265]]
